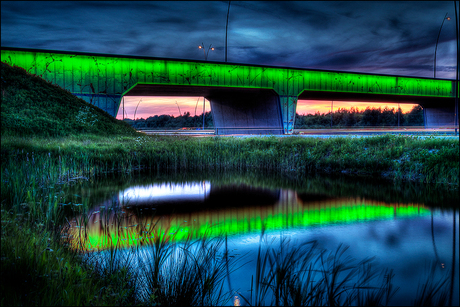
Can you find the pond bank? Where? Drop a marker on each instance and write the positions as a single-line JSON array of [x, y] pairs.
[[429, 160]]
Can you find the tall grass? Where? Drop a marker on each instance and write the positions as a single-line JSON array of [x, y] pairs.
[[304, 275], [396, 157]]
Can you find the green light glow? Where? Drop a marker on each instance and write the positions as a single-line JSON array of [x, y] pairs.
[[177, 229], [111, 76]]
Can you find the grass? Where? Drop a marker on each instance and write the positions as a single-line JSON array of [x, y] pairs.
[[33, 106], [38, 270], [428, 160], [303, 275]]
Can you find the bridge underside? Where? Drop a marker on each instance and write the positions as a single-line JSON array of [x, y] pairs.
[[262, 111], [234, 110]]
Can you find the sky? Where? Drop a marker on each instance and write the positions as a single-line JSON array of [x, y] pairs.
[[394, 37]]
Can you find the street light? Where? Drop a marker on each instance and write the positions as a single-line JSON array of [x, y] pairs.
[[226, 31], [204, 50], [332, 104], [205, 58], [437, 40]]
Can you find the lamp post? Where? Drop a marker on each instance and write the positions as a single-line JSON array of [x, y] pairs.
[[226, 30], [204, 50], [457, 25], [205, 58], [437, 40], [332, 104]]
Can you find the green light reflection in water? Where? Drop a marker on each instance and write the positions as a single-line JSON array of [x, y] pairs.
[[141, 231]]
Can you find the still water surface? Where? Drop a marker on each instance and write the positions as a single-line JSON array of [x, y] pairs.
[[406, 227]]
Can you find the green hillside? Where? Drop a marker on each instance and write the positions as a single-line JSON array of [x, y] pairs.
[[33, 106]]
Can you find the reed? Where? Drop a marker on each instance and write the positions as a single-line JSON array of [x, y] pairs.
[[304, 275], [395, 157]]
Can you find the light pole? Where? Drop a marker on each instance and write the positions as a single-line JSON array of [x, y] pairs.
[[205, 58], [226, 30], [332, 104], [437, 40], [123, 101], [204, 50], [457, 25]]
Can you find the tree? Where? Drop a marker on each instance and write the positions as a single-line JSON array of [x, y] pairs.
[[415, 116]]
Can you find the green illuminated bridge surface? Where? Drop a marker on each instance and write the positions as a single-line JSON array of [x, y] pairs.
[[103, 79], [103, 231]]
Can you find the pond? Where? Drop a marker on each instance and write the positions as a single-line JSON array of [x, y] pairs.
[[405, 230]]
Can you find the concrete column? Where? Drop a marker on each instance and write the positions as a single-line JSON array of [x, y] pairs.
[[288, 107], [438, 117], [238, 112]]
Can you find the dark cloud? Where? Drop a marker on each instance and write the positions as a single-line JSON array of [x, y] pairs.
[[144, 49], [342, 61], [347, 35]]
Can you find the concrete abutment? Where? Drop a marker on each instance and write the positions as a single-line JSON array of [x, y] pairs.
[[255, 112]]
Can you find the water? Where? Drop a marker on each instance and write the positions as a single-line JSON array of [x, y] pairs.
[[406, 227]]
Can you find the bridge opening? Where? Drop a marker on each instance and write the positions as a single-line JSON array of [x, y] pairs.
[[166, 112], [438, 112], [311, 114]]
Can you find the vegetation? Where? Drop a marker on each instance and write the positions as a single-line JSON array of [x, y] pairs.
[[32, 106], [172, 122], [430, 160], [51, 140], [370, 117]]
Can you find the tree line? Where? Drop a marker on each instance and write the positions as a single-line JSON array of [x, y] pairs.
[[172, 122], [369, 117]]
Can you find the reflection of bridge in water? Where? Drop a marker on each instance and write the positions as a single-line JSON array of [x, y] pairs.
[[200, 210]]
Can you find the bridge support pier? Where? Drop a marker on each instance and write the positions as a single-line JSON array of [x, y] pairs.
[[288, 106], [251, 112], [439, 117]]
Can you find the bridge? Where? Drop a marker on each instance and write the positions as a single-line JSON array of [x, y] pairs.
[[262, 99]]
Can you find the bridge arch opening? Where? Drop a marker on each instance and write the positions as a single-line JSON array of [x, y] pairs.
[[166, 112], [438, 112], [324, 106], [313, 114]]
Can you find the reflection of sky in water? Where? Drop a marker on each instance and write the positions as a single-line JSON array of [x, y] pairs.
[[165, 191], [405, 245]]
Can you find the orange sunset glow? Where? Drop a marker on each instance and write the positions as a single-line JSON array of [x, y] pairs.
[[151, 106]]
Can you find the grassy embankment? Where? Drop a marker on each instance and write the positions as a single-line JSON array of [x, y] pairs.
[[51, 139]]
